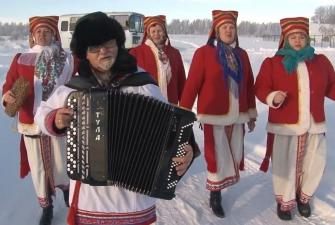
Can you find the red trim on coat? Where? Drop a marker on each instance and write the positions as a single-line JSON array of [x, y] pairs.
[[229, 132], [210, 148], [269, 148], [71, 217], [45, 148], [242, 165]]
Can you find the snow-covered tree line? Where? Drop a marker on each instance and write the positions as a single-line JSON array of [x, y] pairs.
[[15, 31], [202, 26], [176, 26], [322, 15]]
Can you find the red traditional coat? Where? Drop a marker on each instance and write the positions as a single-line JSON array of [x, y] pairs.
[[146, 60], [306, 89], [23, 65], [206, 80]]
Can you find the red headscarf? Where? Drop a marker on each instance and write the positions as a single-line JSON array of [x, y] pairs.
[[50, 22], [293, 25], [150, 21], [221, 17]]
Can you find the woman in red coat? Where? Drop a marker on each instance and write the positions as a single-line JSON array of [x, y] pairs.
[[160, 59], [46, 66], [294, 83], [221, 77], [156, 56]]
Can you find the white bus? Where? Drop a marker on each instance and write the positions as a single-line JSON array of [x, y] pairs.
[[131, 22]]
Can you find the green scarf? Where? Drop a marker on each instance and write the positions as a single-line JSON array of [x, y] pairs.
[[293, 57]]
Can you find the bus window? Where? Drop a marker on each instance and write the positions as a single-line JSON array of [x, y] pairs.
[[136, 23], [73, 21], [132, 24], [122, 19], [64, 25]]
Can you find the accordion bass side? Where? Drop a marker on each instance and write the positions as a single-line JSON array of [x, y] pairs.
[[127, 140]]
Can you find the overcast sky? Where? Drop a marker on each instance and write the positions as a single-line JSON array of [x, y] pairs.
[[251, 10]]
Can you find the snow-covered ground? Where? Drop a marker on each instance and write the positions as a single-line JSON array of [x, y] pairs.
[[250, 202]]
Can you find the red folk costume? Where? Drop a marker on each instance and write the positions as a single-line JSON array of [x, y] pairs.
[[296, 127], [164, 63], [45, 67], [224, 104]]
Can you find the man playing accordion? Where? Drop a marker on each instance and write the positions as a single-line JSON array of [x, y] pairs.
[[98, 43]]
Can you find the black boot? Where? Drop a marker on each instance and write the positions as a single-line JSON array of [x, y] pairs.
[[304, 208], [47, 215], [215, 203], [283, 215], [66, 197]]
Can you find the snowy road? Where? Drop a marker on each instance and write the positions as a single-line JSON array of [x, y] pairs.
[[250, 202]]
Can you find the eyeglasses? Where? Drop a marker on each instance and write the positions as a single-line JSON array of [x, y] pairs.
[[97, 48]]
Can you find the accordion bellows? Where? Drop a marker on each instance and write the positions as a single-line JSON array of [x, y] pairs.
[[127, 140], [20, 90]]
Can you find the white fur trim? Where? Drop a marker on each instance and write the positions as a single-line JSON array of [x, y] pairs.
[[295, 129], [231, 117], [317, 128], [164, 73], [28, 129], [304, 96], [36, 49]]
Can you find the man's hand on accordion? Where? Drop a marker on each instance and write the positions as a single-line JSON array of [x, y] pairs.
[[184, 161], [63, 118]]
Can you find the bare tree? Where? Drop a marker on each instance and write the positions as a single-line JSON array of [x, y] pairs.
[[324, 15]]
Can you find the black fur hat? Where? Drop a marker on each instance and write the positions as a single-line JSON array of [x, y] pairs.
[[95, 29]]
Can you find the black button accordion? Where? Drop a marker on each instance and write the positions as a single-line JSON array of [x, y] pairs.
[[127, 140]]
